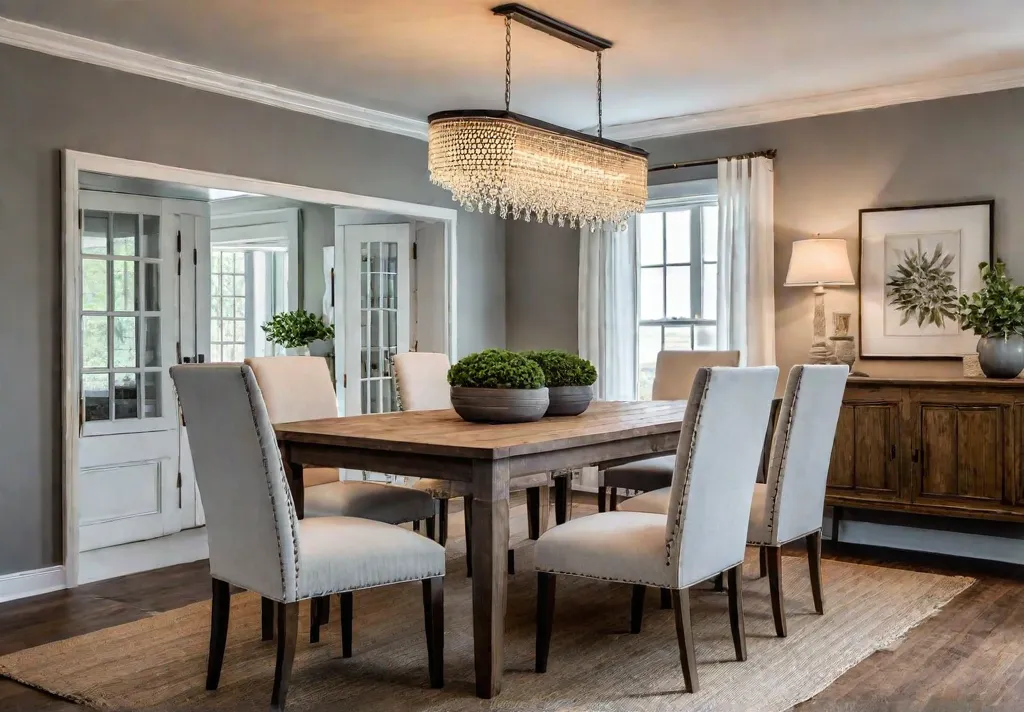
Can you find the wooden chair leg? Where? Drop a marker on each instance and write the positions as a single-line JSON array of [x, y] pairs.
[[762, 562], [814, 562], [511, 562], [432, 521], [666, 599], [468, 516], [442, 522], [720, 582], [545, 618], [267, 617], [533, 512], [346, 600], [561, 500], [433, 616], [602, 492], [325, 610], [287, 636], [636, 608], [774, 556], [739, 634], [684, 634], [613, 499], [416, 525], [314, 620], [220, 611]]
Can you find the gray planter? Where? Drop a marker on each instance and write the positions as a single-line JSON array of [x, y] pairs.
[[1001, 358], [500, 405], [569, 400]]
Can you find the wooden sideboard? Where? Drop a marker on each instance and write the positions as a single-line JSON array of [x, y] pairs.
[[946, 447]]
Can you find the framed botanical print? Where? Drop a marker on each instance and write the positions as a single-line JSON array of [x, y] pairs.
[[915, 262]]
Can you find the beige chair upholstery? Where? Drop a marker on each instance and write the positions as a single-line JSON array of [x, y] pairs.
[[704, 532], [674, 372], [256, 540], [789, 505], [300, 388]]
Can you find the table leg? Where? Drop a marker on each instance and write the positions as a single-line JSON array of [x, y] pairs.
[[490, 579], [293, 473]]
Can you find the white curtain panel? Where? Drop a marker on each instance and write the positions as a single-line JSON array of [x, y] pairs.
[[746, 249], [607, 317], [607, 309]]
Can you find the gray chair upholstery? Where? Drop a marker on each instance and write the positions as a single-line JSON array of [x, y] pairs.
[[790, 504], [703, 533], [674, 372], [256, 540]]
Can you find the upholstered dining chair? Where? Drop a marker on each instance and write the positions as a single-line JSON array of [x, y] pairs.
[[790, 504], [300, 388], [674, 372], [258, 543], [704, 533], [421, 380]]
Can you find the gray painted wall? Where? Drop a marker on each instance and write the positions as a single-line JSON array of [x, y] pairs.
[[827, 168], [49, 104]]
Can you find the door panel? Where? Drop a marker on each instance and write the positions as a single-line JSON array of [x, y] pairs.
[[865, 458], [961, 451]]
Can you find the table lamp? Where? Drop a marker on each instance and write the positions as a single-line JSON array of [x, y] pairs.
[[819, 262]]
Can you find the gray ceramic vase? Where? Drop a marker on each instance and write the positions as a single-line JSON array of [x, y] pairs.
[[500, 405], [569, 400], [1001, 358]]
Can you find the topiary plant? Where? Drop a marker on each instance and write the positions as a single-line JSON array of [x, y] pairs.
[[562, 368], [496, 368], [997, 309], [295, 329]]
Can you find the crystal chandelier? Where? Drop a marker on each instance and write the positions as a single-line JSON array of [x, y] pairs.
[[517, 165]]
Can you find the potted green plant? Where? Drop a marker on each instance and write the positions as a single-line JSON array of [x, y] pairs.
[[996, 314], [570, 380], [300, 333], [498, 386]]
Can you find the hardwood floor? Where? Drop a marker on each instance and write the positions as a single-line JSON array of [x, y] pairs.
[[967, 657]]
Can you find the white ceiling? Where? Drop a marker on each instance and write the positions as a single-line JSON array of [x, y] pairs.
[[671, 57]]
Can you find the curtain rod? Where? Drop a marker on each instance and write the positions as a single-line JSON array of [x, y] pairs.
[[769, 153]]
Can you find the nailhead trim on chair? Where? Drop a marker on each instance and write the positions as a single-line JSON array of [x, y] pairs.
[[290, 504], [604, 578], [676, 525], [331, 592]]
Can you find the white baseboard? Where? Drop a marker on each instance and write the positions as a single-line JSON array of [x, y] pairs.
[[113, 561], [31, 583], [932, 541]]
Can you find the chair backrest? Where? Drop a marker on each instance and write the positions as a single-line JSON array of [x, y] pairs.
[[716, 467], [295, 387], [421, 380], [802, 450], [250, 515], [675, 370]]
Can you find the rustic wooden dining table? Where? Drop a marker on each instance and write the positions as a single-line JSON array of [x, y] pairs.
[[439, 444]]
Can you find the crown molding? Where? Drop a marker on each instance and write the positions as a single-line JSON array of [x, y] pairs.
[[81, 49], [818, 105]]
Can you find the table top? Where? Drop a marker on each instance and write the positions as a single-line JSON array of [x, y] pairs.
[[443, 432]]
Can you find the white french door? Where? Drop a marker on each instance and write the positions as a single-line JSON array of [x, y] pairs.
[[130, 482], [372, 264]]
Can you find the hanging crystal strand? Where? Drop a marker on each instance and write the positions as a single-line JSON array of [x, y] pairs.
[[508, 62], [600, 111]]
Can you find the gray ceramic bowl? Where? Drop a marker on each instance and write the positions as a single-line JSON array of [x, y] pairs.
[[500, 405]]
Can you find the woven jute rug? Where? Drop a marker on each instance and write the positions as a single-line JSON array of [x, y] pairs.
[[595, 664]]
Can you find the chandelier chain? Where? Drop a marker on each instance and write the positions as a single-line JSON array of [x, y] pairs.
[[600, 117], [508, 62]]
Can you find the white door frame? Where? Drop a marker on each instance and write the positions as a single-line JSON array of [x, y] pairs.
[[76, 161]]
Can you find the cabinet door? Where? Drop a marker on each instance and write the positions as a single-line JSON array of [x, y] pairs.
[[865, 457], [960, 453]]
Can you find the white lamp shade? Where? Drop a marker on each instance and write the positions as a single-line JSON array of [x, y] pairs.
[[819, 260]]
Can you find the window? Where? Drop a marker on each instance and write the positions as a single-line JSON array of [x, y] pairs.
[[678, 282], [247, 287]]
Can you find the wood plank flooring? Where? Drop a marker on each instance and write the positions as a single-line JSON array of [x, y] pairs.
[[970, 656]]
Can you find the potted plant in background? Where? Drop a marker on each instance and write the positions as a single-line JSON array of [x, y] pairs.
[[570, 380], [300, 332], [996, 314], [498, 386]]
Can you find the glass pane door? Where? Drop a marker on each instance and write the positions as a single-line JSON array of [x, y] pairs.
[[379, 304]]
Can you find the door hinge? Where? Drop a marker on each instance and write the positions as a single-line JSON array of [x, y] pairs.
[[179, 490], [414, 250], [344, 380], [80, 213], [195, 256], [179, 242]]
